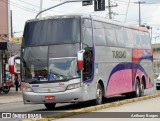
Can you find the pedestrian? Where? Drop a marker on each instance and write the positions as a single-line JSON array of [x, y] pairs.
[[16, 82]]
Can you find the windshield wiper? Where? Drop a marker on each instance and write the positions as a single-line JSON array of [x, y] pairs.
[[31, 80]]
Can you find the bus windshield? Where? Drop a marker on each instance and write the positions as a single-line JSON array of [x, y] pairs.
[[34, 61], [62, 68], [51, 31], [49, 63], [49, 49]]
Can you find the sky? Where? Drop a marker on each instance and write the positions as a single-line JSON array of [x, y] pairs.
[[23, 10]]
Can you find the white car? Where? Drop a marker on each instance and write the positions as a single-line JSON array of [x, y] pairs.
[[158, 83]]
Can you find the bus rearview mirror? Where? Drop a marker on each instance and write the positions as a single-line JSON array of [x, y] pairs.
[[80, 61]]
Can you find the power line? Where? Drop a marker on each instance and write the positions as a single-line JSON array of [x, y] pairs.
[[29, 3], [19, 6], [133, 2], [127, 10], [36, 7]]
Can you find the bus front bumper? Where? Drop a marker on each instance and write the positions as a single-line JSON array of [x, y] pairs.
[[74, 95]]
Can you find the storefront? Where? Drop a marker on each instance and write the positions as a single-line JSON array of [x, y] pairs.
[[3, 59], [7, 50]]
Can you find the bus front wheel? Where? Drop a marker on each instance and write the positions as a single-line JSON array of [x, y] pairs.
[[50, 106]]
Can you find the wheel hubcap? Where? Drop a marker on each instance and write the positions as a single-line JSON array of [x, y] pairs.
[[137, 90]]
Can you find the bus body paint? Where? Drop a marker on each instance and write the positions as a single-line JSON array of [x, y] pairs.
[[123, 76]]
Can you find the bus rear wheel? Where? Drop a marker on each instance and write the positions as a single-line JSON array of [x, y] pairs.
[[137, 92], [142, 89], [50, 106]]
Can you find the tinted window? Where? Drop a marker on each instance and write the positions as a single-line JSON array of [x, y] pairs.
[[120, 36], [110, 35], [51, 31], [63, 61], [136, 37], [129, 37], [148, 40], [35, 63], [65, 50], [99, 33], [144, 39], [87, 33]]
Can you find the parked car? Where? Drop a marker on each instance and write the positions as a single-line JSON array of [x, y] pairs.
[[158, 83]]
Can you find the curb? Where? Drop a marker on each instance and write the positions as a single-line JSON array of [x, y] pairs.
[[11, 102], [92, 108]]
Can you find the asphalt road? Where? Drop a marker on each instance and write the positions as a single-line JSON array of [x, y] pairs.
[[20, 107]]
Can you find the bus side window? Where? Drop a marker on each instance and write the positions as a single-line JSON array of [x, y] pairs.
[[88, 61], [87, 33], [110, 35], [99, 30], [136, 41]]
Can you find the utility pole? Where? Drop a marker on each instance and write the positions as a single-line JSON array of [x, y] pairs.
[[11, 23], [109, 9], [139, 2], [40, 9]]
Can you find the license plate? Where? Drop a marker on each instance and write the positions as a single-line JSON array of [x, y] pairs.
[[49, 97]]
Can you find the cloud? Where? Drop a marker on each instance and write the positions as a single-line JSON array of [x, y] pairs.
[[149, 12]]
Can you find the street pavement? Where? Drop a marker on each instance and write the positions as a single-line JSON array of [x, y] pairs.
[[12, 102], [146, 110], [11, 97], [16, 97]]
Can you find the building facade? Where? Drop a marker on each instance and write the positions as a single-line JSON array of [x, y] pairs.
[[156, 57], [4, 35]]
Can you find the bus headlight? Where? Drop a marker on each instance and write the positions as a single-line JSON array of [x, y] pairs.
[[27, 89], [73, 86]]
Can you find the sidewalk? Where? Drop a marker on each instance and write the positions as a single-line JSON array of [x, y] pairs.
[[11, 97]]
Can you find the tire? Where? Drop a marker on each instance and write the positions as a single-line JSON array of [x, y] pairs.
[[158, 88], [142, 90], [128, 95], [137, 93], [6, 90], [99, 95], [50, 106]]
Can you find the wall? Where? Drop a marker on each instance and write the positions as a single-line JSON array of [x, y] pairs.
[[4, 34], [3, 20]]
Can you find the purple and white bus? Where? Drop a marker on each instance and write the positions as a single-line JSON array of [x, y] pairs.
[[76, 58]]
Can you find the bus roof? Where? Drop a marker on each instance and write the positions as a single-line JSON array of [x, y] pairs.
[[97, 18]]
